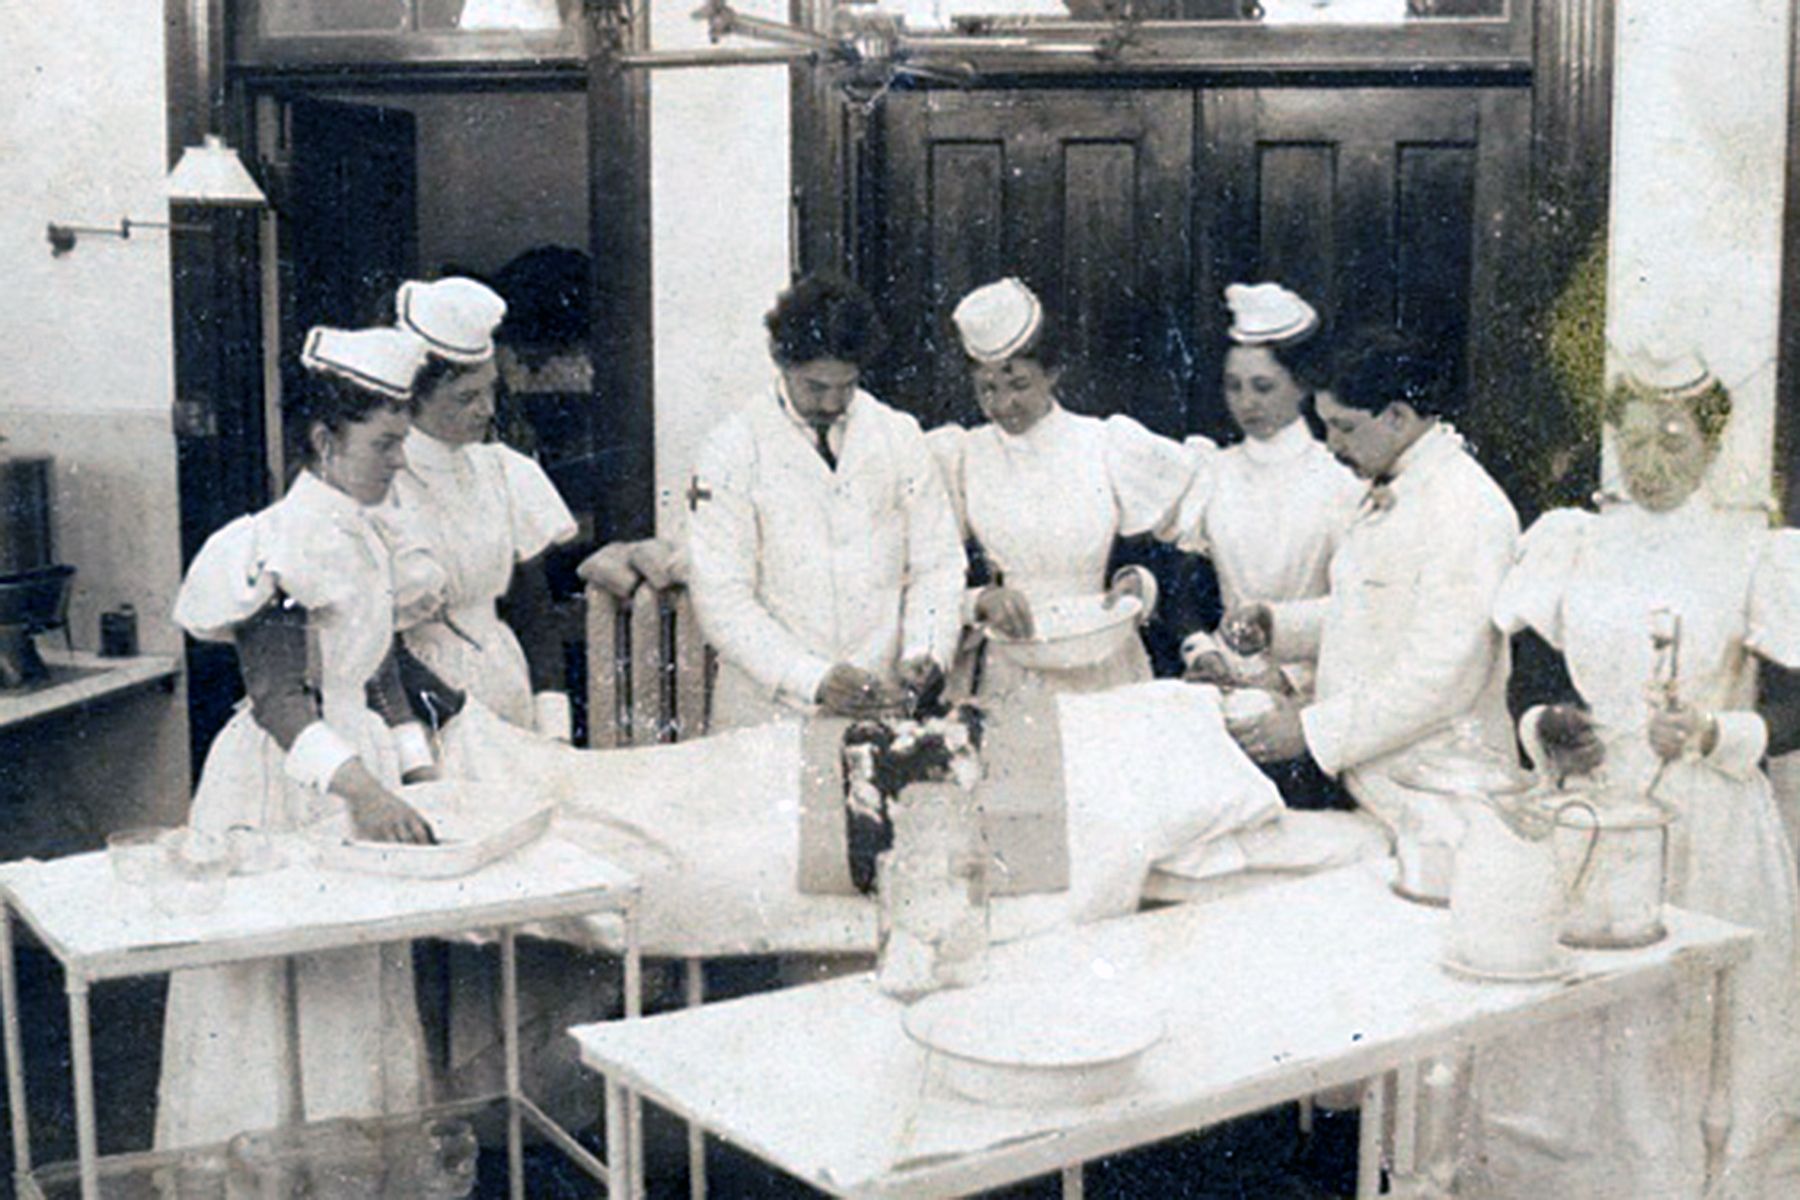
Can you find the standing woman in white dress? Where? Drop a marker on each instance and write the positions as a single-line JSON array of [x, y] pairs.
[[1045, 492], [1610, 1105], [472, 519], [1277, 503], [305, 589]]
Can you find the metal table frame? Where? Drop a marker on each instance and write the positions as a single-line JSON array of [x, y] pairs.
[[82, 971]]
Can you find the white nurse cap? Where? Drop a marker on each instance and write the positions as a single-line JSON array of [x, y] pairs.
[[998, 320], [381, 360], [456, 316], [1665, 373], [1267, 312]]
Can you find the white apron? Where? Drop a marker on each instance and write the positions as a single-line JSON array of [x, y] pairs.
[[1046, 507], [461, 518], [224, 1066]]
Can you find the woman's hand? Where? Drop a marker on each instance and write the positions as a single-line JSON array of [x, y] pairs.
[[609, 569], [1006, 611], [376, 814], [1209, 666], [1673, 728], [1248, 629], [1569, 740], [1273, 735]]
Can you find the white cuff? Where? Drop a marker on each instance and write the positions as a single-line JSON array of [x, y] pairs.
[[1146, 585], [552, 715], [413, 747], [1326, 726], [801, 683], [1743, 740], [316, 756]]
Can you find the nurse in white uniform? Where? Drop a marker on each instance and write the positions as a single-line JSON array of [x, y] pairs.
[[305, 589], [1046, 492], [471, 520], [1277, 504], [825, 565], [1610, 1106]]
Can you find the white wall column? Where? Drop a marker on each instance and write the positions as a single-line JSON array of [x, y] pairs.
[[1699, 152]]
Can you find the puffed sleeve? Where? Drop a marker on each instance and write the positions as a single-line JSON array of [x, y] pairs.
[[1531, 595], [228, 582], [1188, 526], [539, 517], [947, 444], [1150, 474], [1774, 629]]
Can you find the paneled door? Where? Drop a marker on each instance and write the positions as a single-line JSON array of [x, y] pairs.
[[1386, 206], [1084, 194]]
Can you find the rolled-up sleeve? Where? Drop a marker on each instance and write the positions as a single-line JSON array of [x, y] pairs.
[[272, 657]]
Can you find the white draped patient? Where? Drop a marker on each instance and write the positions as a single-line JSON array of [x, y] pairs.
[[713, 825]]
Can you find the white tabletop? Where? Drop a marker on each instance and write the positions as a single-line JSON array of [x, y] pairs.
[[101, 927], [1267, 996], [87, 678]]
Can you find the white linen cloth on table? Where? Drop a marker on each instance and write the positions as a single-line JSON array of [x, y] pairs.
[[795, 566], [460, 519], [1047, 505], [712, 826], [1609, 1105], [224, 1028]]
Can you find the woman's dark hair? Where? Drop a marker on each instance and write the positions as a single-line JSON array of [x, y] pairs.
[[824, 316], [435, 371], [333, 402], [1378, 366], [1307, 359]]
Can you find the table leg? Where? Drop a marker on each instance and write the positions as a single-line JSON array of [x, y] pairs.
[[1715, 1121], [693, 994], [509, 1032], [15, 1054], [1373, 1118], [618, 1145], [81, 1046], [1073, 1185], [1406, 1122]]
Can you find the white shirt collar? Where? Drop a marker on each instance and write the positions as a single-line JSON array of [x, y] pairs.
[[1417, 461], [1290, 442], [425, 452], [312, 493], [1046, 430]]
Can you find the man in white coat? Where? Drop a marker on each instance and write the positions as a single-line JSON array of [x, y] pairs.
[[824, 558], [1406, 646]]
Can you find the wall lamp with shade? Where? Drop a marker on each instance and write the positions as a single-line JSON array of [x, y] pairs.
[[210, 173]]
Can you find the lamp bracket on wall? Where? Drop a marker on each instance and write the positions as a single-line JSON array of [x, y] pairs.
[[869, 47], [62, 237]]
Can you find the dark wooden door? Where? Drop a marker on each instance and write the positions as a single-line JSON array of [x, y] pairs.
[[1086, 195], [1380, 205], [351, 234]]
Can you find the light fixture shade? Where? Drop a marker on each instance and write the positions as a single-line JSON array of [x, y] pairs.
[[212, 173], [510, 14]]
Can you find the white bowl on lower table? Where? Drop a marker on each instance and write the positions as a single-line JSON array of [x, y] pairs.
[[1072, 632], [1017, 1045]]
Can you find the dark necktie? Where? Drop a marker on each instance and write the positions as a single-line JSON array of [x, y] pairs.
[[822, 440]]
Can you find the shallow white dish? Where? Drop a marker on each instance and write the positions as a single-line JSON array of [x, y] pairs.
[[1034, 1045], [475, 825], [1559, 967], [1072, 632]]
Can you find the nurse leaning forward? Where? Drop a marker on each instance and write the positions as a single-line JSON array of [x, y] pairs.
[[305, 590], [1045, 492], [471, 520]]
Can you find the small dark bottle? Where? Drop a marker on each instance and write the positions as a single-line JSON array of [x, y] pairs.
[[119, 632]]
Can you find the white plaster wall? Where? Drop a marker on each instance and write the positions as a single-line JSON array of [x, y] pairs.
[[720, 233], [82, 141], [1699, 153]]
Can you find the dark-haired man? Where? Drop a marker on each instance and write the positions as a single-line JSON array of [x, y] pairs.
[[1405, 640], [824, 558]]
